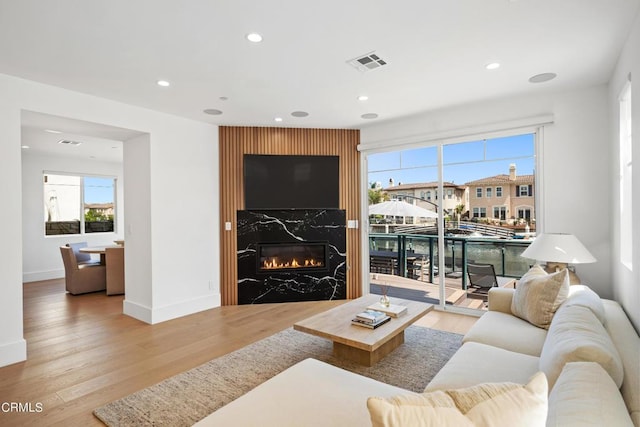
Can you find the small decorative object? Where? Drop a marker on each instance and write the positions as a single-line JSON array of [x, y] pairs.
[[384, 299]]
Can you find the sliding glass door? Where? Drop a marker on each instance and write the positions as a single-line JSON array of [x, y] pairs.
[[482, 193]]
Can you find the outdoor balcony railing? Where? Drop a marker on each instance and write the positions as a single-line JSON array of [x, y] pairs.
[[404, 254]]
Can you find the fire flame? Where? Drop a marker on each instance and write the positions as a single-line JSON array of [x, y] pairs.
[[274, 263]]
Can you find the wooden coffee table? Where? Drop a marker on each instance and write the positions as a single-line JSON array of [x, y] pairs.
[[359, 344]]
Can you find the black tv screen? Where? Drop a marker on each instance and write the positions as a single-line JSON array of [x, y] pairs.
[[291, 182]]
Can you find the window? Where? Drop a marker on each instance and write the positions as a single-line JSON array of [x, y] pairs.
[[479, 192], [498, 191], [479, 212], [449, 193], [525, 190], [524, 213], [489, 192], [500, 212], [78, 204], [626, 194], [428, 195]]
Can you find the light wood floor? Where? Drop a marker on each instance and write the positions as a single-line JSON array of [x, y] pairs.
[[83, 352]]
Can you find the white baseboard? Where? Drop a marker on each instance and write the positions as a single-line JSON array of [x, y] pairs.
[[36, 276], [169, 312], [13, 352]]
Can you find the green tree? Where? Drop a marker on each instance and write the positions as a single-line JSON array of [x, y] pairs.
[[377, 195], [93, 215]]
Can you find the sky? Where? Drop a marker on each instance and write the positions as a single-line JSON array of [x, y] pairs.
[[98, 190], [463, 162]]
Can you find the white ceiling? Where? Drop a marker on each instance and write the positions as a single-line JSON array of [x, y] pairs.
[[436, 53]]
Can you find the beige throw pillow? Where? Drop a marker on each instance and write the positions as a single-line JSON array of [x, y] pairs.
[[491, 404], [538, 295]]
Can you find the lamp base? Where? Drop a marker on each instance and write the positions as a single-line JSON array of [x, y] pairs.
[[553, 267]]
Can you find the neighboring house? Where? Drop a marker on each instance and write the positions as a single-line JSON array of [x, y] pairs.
[[425, 195], [105, 209], [503, 197]]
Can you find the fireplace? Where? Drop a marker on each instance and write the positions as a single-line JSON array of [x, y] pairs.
[[305, 256], [291, 255]]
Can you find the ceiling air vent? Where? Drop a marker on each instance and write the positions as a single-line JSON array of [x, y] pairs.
[[68, 142], [367, 62]]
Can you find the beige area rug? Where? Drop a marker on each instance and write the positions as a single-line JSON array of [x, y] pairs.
[[192, 395]]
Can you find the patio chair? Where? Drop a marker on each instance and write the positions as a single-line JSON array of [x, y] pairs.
[[482, 277]]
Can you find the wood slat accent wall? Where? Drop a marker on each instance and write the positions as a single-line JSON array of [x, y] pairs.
[[237, 141]]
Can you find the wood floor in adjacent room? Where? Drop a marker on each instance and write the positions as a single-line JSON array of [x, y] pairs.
[[83, 352]]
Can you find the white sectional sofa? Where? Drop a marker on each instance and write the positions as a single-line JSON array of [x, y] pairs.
[[590, 355]]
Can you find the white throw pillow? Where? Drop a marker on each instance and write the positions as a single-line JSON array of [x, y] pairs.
[[576, 335], [538, 295], [490, 404], [585, 396]]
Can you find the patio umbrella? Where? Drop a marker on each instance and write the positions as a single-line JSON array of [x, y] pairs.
[[400, 208]]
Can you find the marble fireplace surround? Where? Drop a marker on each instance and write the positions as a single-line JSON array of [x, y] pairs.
[[291, 227]]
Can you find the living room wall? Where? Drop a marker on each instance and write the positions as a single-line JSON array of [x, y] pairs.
[[574, 162]]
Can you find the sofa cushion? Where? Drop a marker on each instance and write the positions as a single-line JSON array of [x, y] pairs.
[[583, 296], [576, 335], [310, 393], [475, 363], [508, 332], [491, 404], [585, 396], [538, 295]]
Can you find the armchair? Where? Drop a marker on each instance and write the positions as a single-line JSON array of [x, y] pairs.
[[81, 278]]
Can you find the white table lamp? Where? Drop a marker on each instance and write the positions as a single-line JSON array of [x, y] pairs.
[[558, 251]]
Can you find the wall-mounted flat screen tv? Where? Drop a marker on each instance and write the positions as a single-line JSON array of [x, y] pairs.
[[291, 182]]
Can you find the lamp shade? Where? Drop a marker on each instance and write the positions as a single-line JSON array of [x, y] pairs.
[[552, 247]]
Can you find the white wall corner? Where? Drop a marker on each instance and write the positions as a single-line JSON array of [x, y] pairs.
[[13, 352], [185, 308], [137, 311]]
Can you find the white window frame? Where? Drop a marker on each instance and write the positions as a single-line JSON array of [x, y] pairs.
[[498, 191], [488, 192], [478, 192], [523, 191], [626, 178]]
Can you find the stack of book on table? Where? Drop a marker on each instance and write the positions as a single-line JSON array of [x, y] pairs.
[[370, 319]]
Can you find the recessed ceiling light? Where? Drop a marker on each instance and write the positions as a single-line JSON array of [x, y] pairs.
[[25, 147], [254, 37], [278, 119], [363, 98], [52, 131], [541, 78], [299, 114], [492, 66], [69, 142], [212, 111], [369, 116], [163, 83]]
